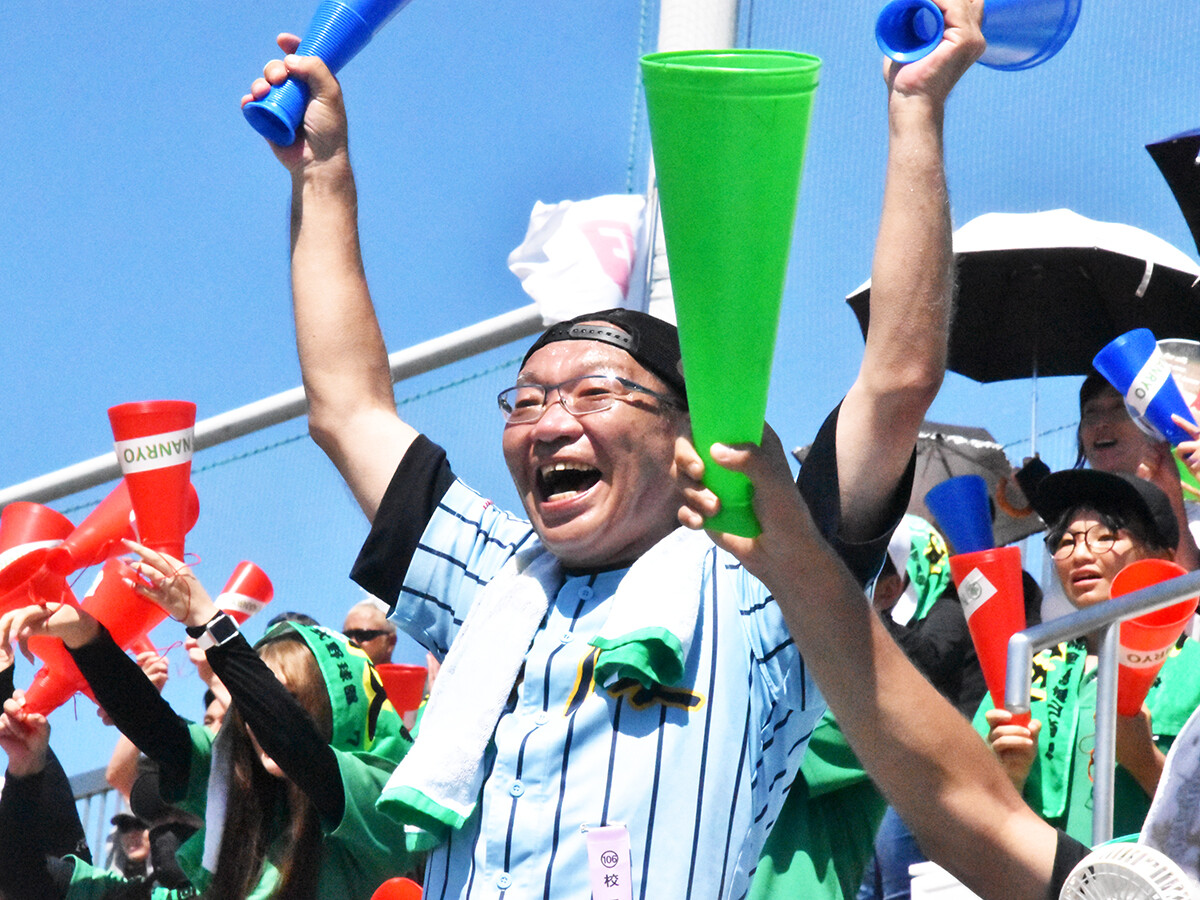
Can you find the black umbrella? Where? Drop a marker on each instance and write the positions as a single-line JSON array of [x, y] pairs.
[[1178, 159], [1041, 293], [946, 451]]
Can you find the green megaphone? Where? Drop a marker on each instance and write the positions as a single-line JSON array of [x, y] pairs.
[[728, 128]]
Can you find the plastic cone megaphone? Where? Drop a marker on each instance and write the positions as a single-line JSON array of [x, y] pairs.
[[404, 684], [99, 536], [729, 129], [246, 592], [1147, 640], [397, 889], [1020, 34], [963, 513], [1134, 365], [29, 532], [59, 679], [993, 600], [339, 29], [154, 441]]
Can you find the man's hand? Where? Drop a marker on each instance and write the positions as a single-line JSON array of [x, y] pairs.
[[934, 75], [323, 133], [780, 509]]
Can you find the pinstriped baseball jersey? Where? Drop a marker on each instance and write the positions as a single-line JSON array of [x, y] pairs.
[[697, 773]]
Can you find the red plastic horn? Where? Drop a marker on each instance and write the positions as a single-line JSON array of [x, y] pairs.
[[246, 592], [993, 599], [99, 536], [59, 679], [1147, 640], [153, 443], [29, 532], [403, 684], [397, 889]]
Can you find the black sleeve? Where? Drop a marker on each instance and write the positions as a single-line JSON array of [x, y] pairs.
[[135, 706], [282, 727], [6, 682], [818, 484], [1067, 855], [29, 865], [420, 482]]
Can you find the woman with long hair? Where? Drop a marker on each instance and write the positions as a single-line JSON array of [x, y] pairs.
[[287, 788]]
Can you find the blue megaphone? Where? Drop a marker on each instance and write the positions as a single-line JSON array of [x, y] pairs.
[[339, 29], [1019, 33]]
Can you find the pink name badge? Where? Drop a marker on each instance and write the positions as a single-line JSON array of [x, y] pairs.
[[608, 862]]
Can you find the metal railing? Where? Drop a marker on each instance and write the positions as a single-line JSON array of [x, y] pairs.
[[1104, 619], [96, 802]]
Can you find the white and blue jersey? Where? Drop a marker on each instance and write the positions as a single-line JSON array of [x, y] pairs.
[[697, 773]]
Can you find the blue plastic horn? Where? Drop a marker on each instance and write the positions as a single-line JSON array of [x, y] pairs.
[[963, 512], [339, 29], [1020, 34]]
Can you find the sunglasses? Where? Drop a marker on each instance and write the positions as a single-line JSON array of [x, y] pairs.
[[362, 635]]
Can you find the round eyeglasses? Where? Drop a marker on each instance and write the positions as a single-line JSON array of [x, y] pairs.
[[1098, 539], [525, 403]]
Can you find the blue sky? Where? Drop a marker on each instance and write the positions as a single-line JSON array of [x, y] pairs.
[[145, 227]]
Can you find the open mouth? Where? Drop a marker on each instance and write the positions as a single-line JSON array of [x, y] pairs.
[[1104, 444], [564, 480]]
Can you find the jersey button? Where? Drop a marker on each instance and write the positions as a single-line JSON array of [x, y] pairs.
[[542, 717], [586, 593], [517, 789], [503, 881], [567, 637]]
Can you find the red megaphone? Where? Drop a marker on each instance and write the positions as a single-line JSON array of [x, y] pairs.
[[397, 889], [59, 679], [99, 536], [153, 443], [125, 614], [246, 592], [403, 684], [1147, 640], [993, 599], [28, 534]]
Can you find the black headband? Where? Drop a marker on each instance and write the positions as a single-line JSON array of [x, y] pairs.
[[652, 342]]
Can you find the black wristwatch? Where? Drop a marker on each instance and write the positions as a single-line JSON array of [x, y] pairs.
[[220, 630]]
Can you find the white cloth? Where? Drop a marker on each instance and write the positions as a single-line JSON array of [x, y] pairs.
[[446, 764], [579, 255]]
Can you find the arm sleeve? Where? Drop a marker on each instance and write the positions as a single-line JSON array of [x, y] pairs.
[[420, 482], [31, 807], [135, 706], [818, 484], [6, 683], [1067, 855], [282, 727]]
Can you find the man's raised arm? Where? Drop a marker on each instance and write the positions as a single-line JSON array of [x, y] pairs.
[[912, 280], [343, 358]]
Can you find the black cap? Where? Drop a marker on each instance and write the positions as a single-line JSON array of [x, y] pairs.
[[128, 821], [1107, 492], [649, 340]]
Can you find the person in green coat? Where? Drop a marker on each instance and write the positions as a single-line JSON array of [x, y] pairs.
[[1100, 523]]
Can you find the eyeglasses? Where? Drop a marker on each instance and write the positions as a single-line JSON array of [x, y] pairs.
[[362, 635], [525, 403], [1098, 539]]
